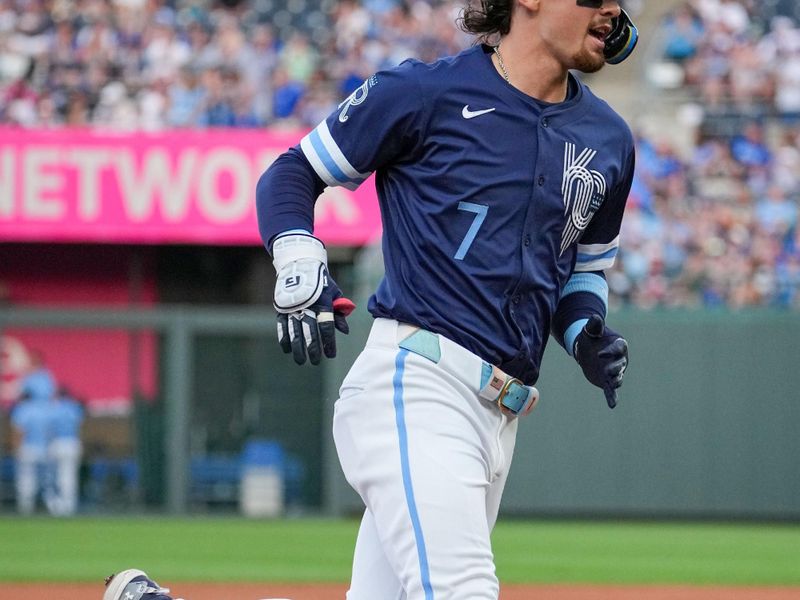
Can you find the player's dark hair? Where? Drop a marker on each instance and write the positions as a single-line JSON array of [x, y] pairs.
[[486, 18]]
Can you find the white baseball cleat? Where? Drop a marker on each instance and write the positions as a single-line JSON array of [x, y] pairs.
[[133, 584]]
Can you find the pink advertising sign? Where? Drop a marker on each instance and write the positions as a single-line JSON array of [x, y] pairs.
[[188, 186]]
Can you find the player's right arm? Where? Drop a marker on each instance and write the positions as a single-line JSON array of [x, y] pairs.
[[374, 126]]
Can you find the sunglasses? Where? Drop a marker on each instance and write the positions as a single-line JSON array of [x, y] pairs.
[[590, 3]]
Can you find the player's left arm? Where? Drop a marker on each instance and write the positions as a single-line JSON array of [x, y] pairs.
[[579, 321]]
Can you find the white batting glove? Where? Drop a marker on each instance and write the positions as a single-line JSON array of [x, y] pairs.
[[310, 305]]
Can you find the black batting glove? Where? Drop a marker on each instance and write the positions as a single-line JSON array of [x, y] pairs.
[[311, 307], [306, 331], [603, 357]]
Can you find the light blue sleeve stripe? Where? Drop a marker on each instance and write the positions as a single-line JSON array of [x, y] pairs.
[[327, 160], [587, 282], [572, 332], [399, 411], [611, 253]]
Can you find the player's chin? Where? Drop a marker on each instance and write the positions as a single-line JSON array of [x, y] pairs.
[[588, 61]]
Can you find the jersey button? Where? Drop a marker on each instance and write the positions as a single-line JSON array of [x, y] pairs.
[[515, 299], [545, 122], [540, 181], [527, 240]]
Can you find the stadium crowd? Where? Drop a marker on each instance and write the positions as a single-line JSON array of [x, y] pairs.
[[717, 225], [148, 64], [712, 226]]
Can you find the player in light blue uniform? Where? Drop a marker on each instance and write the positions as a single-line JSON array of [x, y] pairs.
[[32, 421], [502, 182]]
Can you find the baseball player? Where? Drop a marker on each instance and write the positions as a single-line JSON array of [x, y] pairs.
[[32, 422], [502, 181]]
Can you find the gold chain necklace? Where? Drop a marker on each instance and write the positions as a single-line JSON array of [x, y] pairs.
[[500, 61]]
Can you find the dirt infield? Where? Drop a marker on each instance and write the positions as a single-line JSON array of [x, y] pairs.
[[249, 591]]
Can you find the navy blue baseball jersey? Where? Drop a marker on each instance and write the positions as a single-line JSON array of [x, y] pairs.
[[490, 199]]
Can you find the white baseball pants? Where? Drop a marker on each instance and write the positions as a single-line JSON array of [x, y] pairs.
[[65, 455], [30, 476], [430, 460]]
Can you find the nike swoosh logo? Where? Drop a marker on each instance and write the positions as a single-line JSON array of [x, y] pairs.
[[471, 114]]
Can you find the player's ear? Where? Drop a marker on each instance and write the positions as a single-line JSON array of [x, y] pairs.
[[526, 7], [532, 5]]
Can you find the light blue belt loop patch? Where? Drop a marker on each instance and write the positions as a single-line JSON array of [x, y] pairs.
[[424, 343], [486, 373]]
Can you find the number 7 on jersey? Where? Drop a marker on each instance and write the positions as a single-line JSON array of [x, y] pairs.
[[480, 211]]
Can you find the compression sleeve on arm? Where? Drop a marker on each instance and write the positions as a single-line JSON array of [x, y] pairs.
[[585, 294], [285, 195]]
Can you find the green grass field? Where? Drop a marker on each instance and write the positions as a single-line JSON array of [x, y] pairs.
[[317, 550]]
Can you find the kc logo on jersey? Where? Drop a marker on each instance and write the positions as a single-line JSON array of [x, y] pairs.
[[356, 98], [583, 190]]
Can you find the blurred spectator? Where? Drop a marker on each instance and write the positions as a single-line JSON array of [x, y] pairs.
[[730, 14], [185, 99], [299, 58], [229, 49], [286, 95], [257, 71], [776, 214], [203, 54], [218, 86], [684, 32], [786, 166], [787, 84], [115, 108], [152, 102], [749, 148], [19, 100], [46, 113], [164, 52], [320, 100], [751, 83]]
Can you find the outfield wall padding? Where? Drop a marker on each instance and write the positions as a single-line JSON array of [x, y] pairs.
[[707, 425]]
